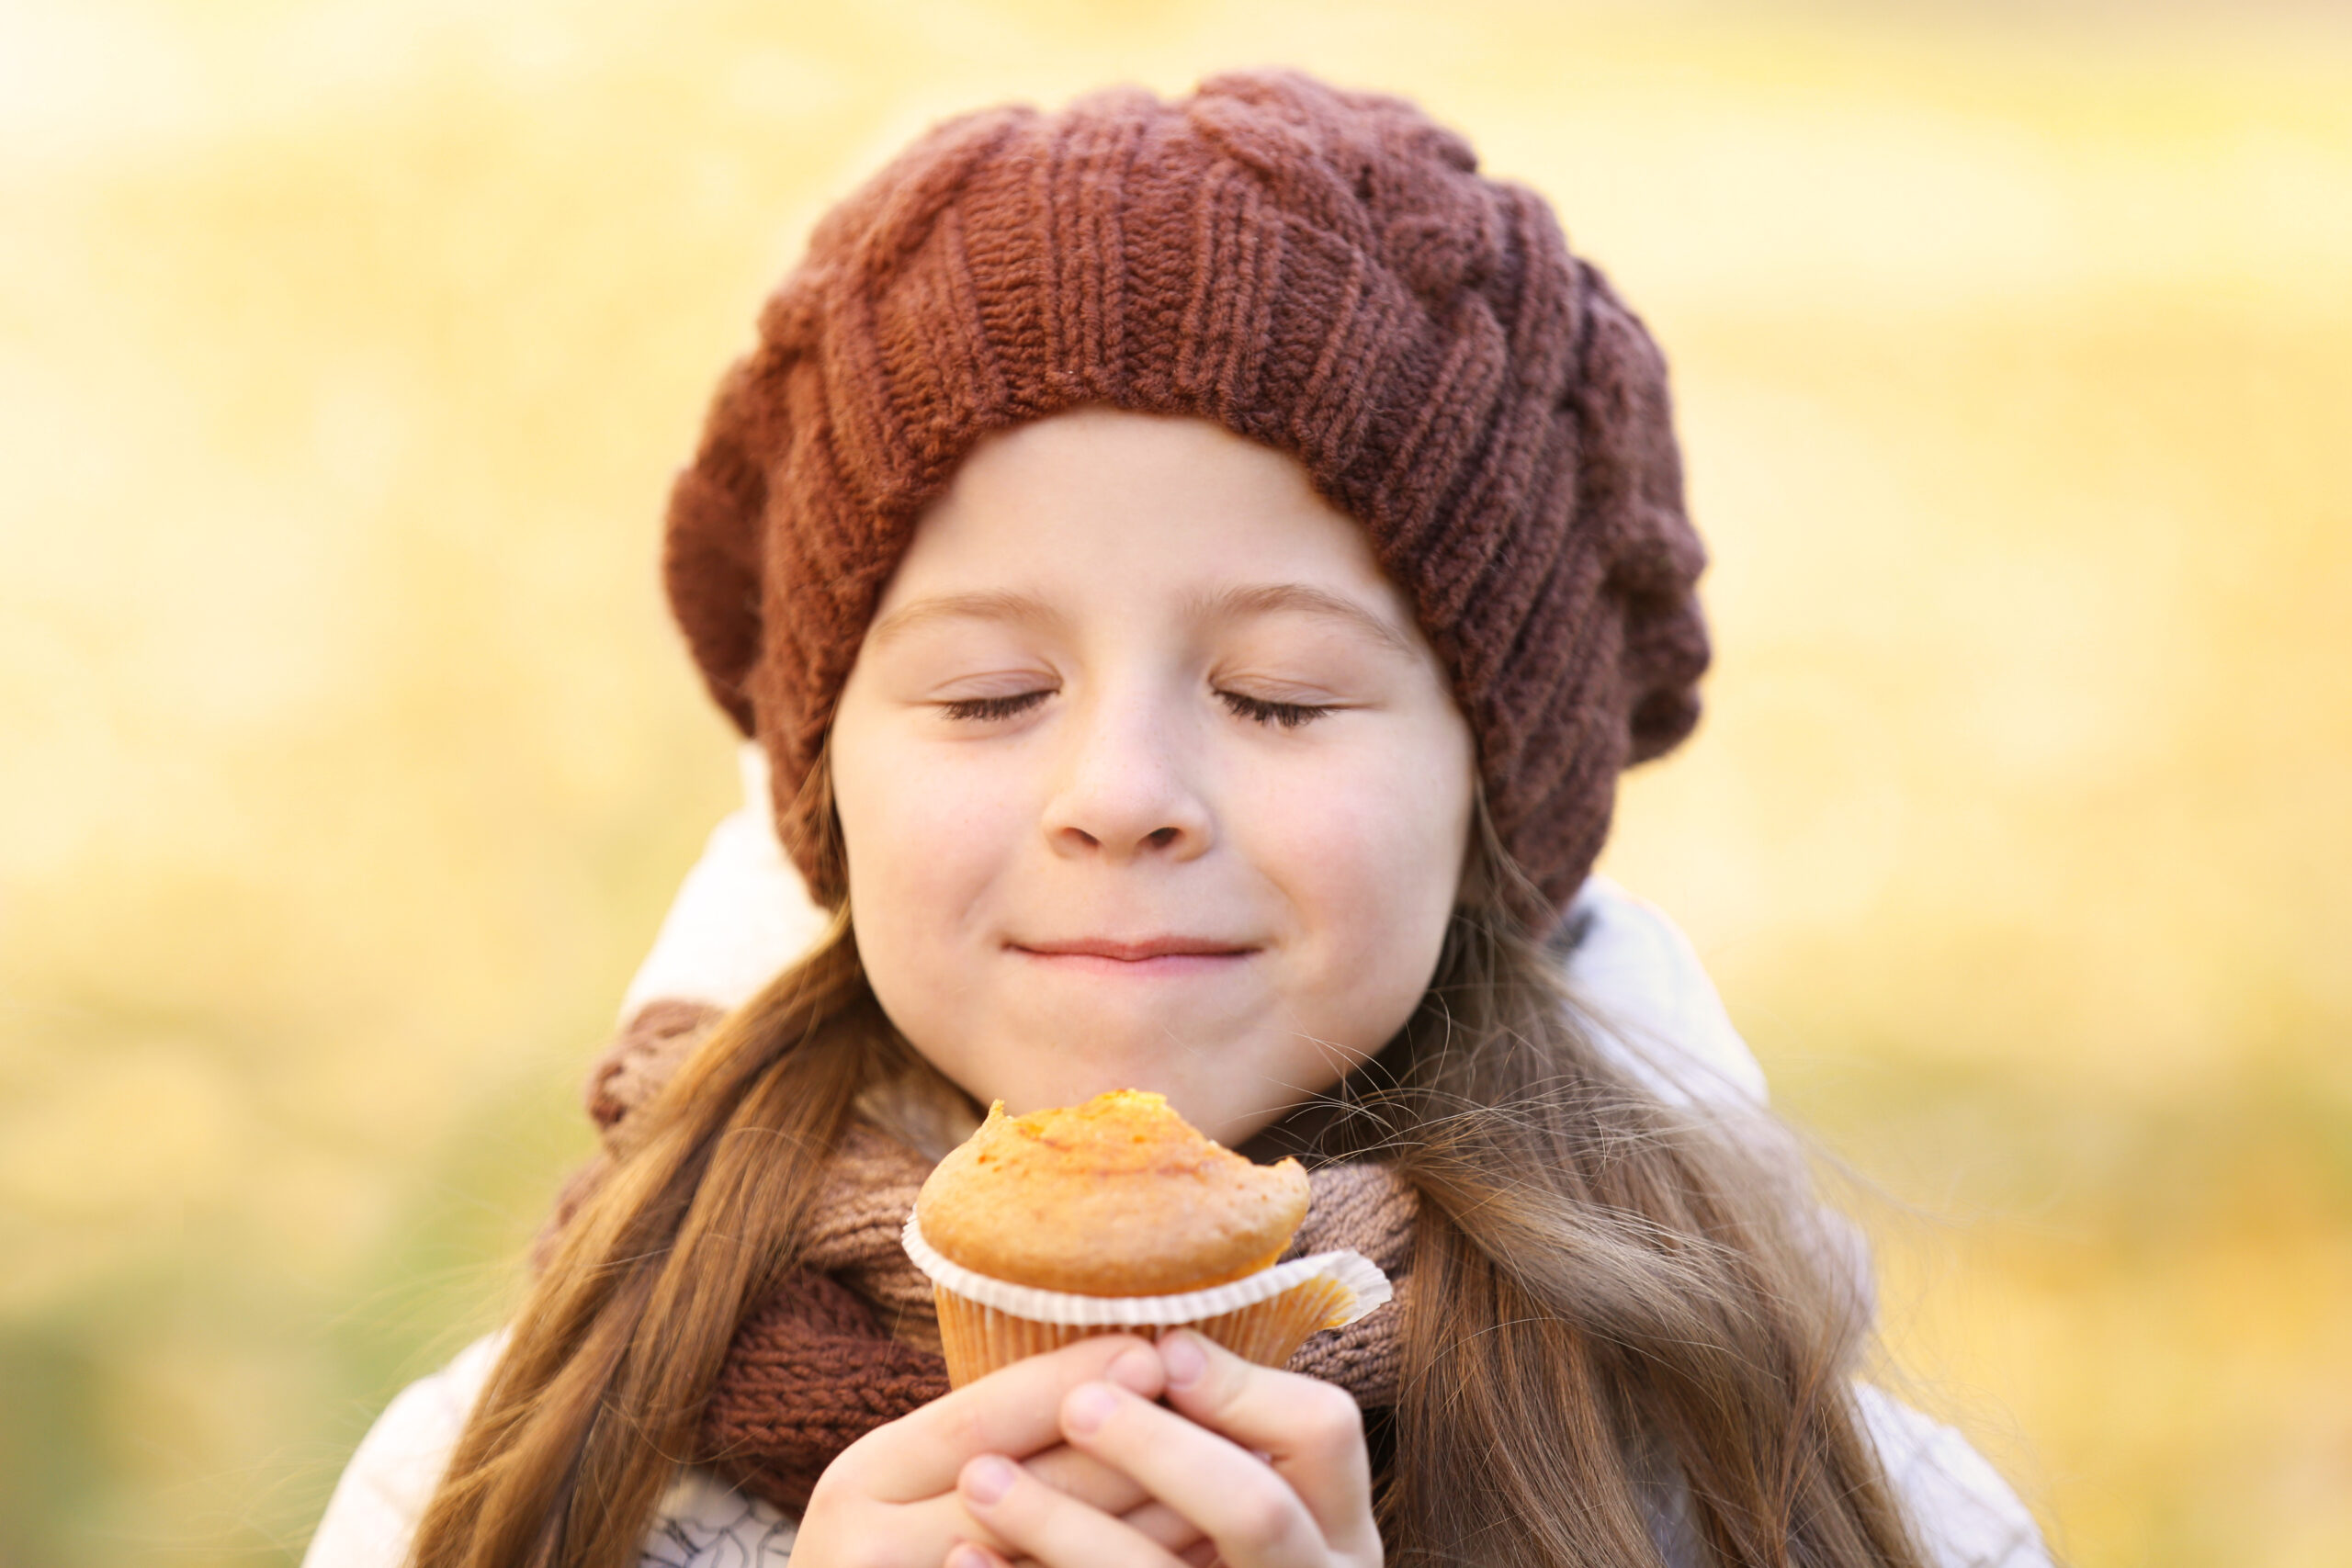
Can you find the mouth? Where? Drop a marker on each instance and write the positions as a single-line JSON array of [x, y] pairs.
[[1136, 951], [1151, 956]]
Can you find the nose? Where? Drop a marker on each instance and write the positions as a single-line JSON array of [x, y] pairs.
[[1126, 787]]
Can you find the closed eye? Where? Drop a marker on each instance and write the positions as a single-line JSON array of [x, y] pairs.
[[994, 707], [1258, 710], [1290, 716]]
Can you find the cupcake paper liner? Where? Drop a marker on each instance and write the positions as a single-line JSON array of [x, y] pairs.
[[986, 1322]]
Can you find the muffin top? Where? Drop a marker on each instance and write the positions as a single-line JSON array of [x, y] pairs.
[[1116, 1196]]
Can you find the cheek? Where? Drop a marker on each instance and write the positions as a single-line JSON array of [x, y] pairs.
[[921, 859], [1370, 857]]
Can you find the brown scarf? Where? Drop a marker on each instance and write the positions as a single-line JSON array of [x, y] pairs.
[[852, 1340]]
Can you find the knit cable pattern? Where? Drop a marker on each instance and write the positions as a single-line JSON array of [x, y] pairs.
[[1321, 270]]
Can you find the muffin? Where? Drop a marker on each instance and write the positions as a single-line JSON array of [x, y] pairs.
[[1116, 1215]]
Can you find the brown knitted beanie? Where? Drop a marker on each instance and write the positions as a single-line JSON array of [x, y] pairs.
[[1322, 271]]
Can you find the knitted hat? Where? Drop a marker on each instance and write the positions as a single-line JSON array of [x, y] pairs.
[[1320, 270]]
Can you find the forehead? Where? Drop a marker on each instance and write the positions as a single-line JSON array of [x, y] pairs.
[[1102, 505]]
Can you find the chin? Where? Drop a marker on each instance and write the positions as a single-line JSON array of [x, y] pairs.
[[1203, 1098], [1076, 1066], [1132, 1031], [1082, 1069]]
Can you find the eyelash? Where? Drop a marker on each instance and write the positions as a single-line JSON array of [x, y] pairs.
[[1289, 716], [994, 707]]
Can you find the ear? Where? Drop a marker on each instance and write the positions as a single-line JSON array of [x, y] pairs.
[[715, 539]]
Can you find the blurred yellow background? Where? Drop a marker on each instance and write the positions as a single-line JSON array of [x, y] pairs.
[[345, 352]]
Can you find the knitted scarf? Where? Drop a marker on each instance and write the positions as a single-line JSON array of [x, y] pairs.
[[851, 1340]]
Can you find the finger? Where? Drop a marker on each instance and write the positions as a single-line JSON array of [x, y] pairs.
[[1165, 1528], [1059, 1532], [1158, 1522], [900, 1535], [1014, 1410], [1254, 1514], [1078, 1475], [1310, 1430], [1111, 1491], [929, 1530]]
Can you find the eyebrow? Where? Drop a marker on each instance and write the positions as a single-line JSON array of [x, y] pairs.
[[1234, 604], [1001, 606], [1230, 603]]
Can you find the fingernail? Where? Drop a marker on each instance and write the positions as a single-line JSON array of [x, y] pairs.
[[988, 1478], [1088, 1406], [966, 1555], [1182, 1355]]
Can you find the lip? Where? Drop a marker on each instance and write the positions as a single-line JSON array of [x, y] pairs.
[[1141, 951]]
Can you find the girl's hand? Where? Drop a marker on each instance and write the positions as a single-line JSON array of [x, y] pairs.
[[1267, 1466], [889, 1500]]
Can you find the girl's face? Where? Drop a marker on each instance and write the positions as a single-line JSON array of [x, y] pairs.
[[1146, 777]]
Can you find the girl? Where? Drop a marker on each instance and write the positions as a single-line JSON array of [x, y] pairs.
[[1195, 572]]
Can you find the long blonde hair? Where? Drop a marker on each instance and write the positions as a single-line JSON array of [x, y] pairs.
[[1623, 1327]]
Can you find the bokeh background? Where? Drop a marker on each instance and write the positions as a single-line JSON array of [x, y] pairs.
[[347, 761]]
